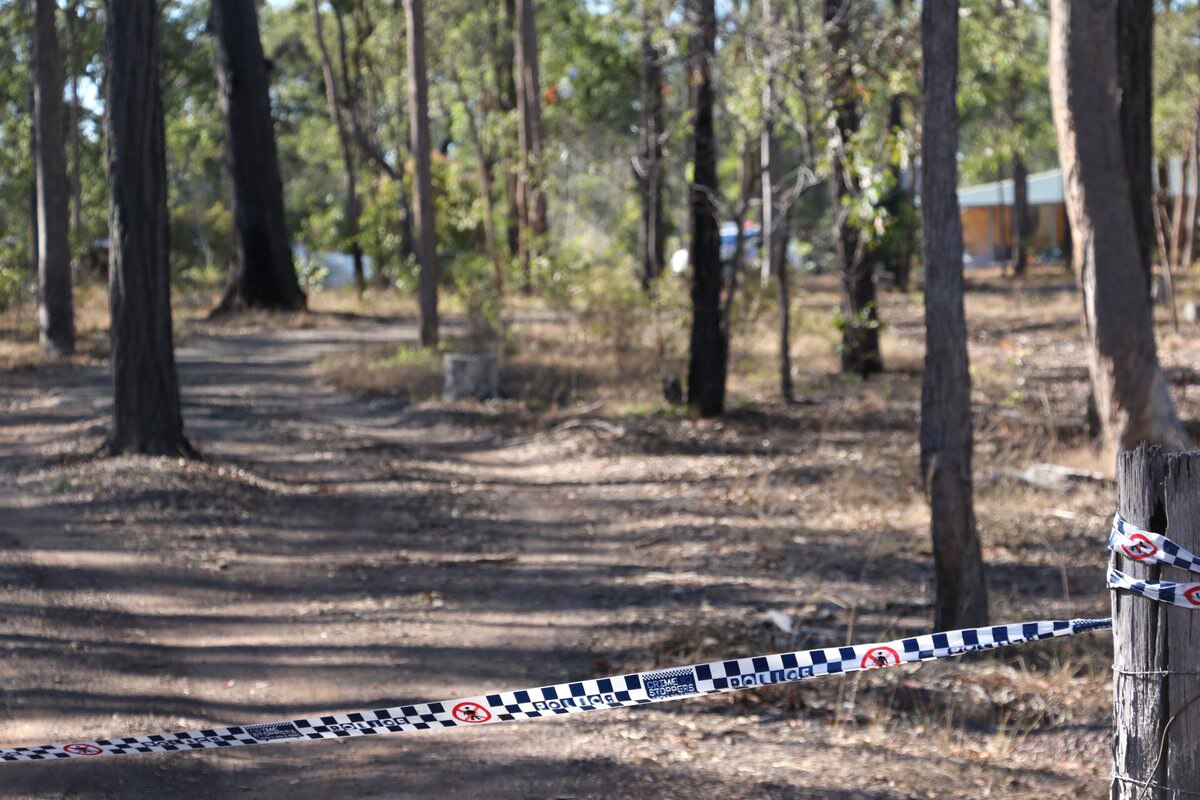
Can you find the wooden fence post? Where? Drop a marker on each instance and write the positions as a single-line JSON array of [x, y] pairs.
[[1156, 647]]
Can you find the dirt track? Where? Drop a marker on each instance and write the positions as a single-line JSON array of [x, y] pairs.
[[334, 553]]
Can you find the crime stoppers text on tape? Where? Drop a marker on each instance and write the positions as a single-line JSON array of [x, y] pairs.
[[616, 691]]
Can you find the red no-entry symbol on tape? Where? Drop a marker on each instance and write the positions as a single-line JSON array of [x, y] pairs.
[[1192, 595], [470, 712], [878, 657], [1140, 547], [81, 749]]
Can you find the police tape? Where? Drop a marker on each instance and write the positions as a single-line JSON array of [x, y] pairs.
[[1147, 547], [618, 691], [1186, 595], [656, 686]]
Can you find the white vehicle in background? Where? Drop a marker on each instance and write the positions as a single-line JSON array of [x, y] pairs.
[[752, 237], [328, 270]]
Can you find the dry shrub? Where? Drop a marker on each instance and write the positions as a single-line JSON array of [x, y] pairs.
[[411, 373]]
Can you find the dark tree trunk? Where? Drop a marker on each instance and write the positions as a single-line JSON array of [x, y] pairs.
[[1135, 60], [900, 240], [709, 344], [507, 88], [146, 412], [531, 198], [56, 316], [649, 170], [76, 136], [860, 332], [785, 314], [898, 204], [263, 275], [407, 240], [946, 435], [506, 85], [418, 117], [1132, 396], [1020, 215]]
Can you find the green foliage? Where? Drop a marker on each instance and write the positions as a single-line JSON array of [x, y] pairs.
[[382, 225], [1176, 78], [472, 277], [14, 285], [855, 326], [1004, 94]]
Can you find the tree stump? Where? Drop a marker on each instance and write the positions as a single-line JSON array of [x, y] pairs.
[[470, 375], [1156, 658]]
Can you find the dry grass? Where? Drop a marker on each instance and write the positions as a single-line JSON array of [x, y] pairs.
[[813, 510]]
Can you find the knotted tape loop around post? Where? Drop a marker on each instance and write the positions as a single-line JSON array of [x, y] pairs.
[[1184, 595], [1148, 547]]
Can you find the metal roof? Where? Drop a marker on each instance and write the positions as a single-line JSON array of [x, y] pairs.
[[1045, 188]]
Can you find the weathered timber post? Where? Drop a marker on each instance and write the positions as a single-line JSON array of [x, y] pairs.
[[1156, 646]]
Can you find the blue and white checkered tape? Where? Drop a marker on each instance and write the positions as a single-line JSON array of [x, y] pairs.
[[617, 691], [656, 686], [1149, 548], [1172, 593]]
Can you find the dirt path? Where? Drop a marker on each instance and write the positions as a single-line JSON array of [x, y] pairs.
[[334, 553]]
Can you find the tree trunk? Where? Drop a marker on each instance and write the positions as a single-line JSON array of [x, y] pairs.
[[350, 205], [1132, 396], [487, 185], [1020, 216], [76, 136], [407, 240], [1134, 65], [507, 90], [709, 346], [56, 316], [146, 412], [263, 275], [1156, 718], [899, 207], [946, 434], [531, 199], [900, 241], [505, 77], [860, 331], [418, 118], [1189, 220], [27, 12], [785, 314], [650, 171], [769, 164]]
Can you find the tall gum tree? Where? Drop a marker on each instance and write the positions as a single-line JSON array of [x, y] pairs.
[[418, 117], [338, 103], [649, 166], [146, 409], [709, 356], [263, 274], [56, 316], [860, 326], [1131, 392], [531, 198], [946, 433]]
